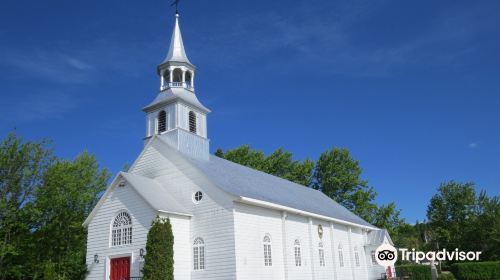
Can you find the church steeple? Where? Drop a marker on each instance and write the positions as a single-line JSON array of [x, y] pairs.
[[176, 70], [176, 115]]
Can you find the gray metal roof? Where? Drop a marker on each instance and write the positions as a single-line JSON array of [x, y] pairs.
[[376, 237], [242, 181], [154, 194], [173, 94]]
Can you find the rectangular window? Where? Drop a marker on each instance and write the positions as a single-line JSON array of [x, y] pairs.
[[341, 259], [298, 259], [202, 257], [321, 257], [195, 258], [267, 255], [374, 261], [356, 256]]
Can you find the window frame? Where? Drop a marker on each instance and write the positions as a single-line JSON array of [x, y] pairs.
[[162, 122], [356, 256], [341, 255], [268, 258], [297, 253], [121, 234], [321, 254], [192, 122], [199, 254]]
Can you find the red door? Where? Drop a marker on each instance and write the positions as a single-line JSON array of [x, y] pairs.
[[120, 269]]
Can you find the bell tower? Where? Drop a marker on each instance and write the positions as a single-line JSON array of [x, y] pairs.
[[176, 115]]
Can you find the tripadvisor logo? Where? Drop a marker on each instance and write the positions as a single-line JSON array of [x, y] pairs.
[[387, 255]]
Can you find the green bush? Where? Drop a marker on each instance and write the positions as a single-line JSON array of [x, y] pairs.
[[476, 270], [446, 276], [159, 259], [415, 271]]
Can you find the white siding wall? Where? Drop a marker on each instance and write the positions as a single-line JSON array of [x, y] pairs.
[[99, 229], [251, 225], [357, 239], [341, 236], [201, 120], [297, 227], [152, 119], [327, 271], [212, 218]]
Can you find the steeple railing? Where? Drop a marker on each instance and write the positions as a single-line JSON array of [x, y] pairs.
[[168, 85]]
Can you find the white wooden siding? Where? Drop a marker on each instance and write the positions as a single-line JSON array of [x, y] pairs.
[[212, 217], [251, 225]]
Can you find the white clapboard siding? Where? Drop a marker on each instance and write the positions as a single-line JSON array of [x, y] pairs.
[[325, 272], [212, 217], [98, 241], [251, 225], [297, 227], [341, 236]]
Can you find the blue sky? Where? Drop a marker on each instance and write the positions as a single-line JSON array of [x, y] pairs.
[[411, 88]]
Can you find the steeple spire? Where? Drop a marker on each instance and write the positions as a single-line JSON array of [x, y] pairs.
[[176, 53]]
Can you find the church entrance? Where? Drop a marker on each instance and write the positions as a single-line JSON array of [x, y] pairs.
[[120, 269]]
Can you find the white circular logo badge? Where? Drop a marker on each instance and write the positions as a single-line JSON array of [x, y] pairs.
[[386, 255]]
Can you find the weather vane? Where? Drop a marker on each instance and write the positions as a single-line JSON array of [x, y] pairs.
[[176, 4]]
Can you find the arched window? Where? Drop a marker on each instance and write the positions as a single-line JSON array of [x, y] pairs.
[[268, 260], [162, 121], [341, 256], [188, 79], [321, 252], [199, 254], [298, 257], [356, 255], [374, 260], [192, 122], [177, 78], [121, 233]]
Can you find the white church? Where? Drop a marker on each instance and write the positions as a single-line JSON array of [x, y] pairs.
[[229, 221]]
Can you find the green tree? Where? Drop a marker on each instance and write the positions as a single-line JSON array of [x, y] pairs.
[[459, 218], [450, 213], [22, 165], [70, 191], [159, 259], [338, 176]]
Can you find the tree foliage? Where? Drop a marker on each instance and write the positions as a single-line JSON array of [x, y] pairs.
[[279, 163], [44, 201], [159, 259], [459, 218]]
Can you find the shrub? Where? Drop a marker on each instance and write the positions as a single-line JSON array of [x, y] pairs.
[[159, 259], [446, 276], [476, 270], [415, 271]]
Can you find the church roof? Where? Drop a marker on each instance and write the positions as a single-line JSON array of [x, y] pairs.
[[376, 237], [173, 94], [154, 194], [243, 181], [176, 52]]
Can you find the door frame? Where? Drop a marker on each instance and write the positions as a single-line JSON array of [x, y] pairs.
[[115, 256]]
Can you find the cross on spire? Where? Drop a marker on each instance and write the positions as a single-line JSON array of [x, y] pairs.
[[176, 4]]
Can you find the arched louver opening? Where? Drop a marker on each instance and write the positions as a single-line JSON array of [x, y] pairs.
[[121, 233], [162, 121], [192, 122]]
